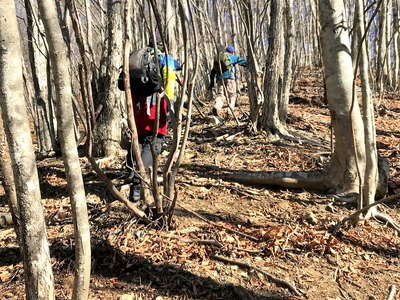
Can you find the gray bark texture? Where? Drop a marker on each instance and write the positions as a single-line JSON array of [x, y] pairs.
[[62, 82], [274, 67], [7, 178], [348, 160], [108, 131], [40, 66], [37, 266], [371, 165]]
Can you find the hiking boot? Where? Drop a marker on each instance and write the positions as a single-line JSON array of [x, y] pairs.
[[216, 113], [134, 194]]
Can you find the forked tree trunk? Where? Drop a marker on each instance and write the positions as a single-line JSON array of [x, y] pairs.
[[34, 245], [348, 159], [73, 172], [274, 66]]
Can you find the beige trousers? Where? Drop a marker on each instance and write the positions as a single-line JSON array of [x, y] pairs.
[[228, 90]]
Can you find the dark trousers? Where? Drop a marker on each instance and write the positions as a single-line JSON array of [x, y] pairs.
[[145, 150]]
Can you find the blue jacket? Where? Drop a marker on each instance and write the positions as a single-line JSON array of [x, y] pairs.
[[235, 60], [229, 74]]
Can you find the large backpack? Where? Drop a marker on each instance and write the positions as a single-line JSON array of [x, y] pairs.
[[144, 72], [222, 62]]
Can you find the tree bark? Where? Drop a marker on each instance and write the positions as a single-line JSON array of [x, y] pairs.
[[348, 160], [371, 166], [274, 66], [108, 131], [7, 178], [288, 61], [37, 49], [73, 172], [37, 266]]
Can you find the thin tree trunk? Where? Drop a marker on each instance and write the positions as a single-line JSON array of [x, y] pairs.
[[73, 172], [380, 67], [170, 24], [396, 40], [38, 60], [34, 244], [7, 178], [287, 72], [371, 165]]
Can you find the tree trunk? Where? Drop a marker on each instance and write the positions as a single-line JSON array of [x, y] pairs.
[[37, 266], [371, 165], [287, 72], [396, 40], [274, 66], [7, 179], [108, 131], [65, 117], [348, 160], [254, 81], [380, 65], [37, 49], [170, 24]]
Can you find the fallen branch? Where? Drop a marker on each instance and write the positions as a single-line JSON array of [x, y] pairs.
[[271, 277], [386, 219], [306, 180], [111, 187]]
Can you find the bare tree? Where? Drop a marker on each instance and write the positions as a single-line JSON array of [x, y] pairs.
[[73, 172], [274, 67], [34, 244]]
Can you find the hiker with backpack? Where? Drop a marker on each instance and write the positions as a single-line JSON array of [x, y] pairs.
[[224, 70], [151, 71]]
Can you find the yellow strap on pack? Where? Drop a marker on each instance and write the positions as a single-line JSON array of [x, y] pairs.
[[169, 77]]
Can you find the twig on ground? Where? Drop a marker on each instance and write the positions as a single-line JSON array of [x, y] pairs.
[[271, 277], [392, 292]]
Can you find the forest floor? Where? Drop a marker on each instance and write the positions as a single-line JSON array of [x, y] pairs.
[[292, 227]]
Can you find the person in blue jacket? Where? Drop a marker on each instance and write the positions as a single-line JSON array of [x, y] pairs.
[[224, 71]]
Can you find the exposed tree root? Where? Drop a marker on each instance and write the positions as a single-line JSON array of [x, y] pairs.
[[386, 219], [373, 213], [308, 180], [271, 277], [356, 214]]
